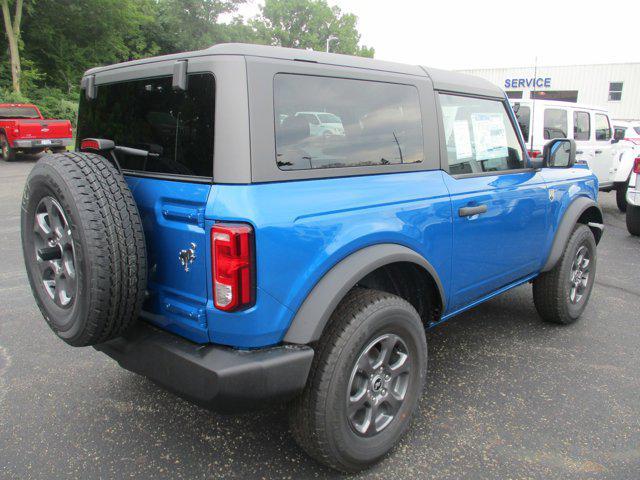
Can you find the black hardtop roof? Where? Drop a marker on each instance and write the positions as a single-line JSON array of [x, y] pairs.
[[442, 79]]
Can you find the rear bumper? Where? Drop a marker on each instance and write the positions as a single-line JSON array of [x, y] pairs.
[[42, 143], [215, 377]]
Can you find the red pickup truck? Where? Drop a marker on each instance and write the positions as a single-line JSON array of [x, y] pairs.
[[24, 129]]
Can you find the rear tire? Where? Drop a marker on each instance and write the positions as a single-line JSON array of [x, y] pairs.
[[621, 196], [346, 385], [83, 247], [633, 220], [561, 294], [8, 153]]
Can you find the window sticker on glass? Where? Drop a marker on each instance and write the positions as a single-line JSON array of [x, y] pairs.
[[490, 135], [462, 139]]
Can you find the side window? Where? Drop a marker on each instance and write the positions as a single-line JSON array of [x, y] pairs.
[[555, 123], [363, 123], [523, 115], [581, 126], [479, 135], [618, 133], [603, 128], [312, 119]]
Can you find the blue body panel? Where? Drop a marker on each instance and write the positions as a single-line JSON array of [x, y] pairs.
[[500, 246], [304, 228], [173, 217]]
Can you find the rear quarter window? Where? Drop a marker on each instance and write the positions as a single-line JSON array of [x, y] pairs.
[[362, 123], [149, 114]]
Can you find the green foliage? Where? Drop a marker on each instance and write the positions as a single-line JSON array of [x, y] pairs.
[[61, 39], [182, 25], [308, 24], [66, 37]]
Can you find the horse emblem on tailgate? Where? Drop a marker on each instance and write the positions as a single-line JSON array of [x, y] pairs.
[[187, 256]]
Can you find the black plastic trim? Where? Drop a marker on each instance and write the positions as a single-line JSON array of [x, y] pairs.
[[215, 377]]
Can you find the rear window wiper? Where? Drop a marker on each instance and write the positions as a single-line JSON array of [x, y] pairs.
[[106, 146]]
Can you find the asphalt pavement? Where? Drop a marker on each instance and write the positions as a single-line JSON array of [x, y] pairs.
[[508, 396]]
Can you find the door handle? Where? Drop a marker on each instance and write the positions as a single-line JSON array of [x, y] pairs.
[[470, 211], [579, 152], [598, 152]]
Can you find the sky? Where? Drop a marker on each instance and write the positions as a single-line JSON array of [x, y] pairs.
[[462, 34]]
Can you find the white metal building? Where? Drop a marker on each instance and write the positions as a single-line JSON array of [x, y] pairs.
[[614, 86]]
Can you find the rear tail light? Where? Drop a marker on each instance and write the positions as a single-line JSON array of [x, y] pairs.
[[636, 166], [233, 266], [70, 129], [535, 153], [89, 144]]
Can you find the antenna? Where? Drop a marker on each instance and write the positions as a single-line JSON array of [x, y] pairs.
[[533, 108]]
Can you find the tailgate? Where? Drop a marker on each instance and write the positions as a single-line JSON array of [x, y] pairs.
[[44, 129]]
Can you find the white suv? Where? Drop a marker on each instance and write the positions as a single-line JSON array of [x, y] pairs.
[[322, 123], [609, 158], [633, 199]]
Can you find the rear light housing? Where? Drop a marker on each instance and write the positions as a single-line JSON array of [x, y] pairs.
[[636, 166], [233, 266], [89, 144]]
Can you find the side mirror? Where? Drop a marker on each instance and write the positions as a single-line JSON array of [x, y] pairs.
[[560, 153]]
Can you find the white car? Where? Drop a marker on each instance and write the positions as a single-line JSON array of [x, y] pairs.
[[322, 123], [633, 199], [610, 159]]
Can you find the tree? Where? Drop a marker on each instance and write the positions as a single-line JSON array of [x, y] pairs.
[[308, 24], [66, 37], [12, 30], [183, 25]]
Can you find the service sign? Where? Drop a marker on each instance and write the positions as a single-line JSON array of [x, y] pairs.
[[531, 82]]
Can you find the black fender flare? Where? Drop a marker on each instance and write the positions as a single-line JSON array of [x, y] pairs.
[[313, 315], [571, 216]]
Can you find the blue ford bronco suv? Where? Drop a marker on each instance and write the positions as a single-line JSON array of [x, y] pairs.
[[204, 235]]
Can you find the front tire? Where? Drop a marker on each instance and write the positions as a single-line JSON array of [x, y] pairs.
[[633, 220], [561, 294], [366, 379]]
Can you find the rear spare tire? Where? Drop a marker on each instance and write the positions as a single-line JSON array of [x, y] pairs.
[[83, 247]]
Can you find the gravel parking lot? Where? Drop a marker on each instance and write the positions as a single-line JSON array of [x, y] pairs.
[[508, 396]]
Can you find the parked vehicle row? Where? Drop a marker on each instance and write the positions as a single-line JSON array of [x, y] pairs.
[[23, 129], [609, 155], [251, 258]]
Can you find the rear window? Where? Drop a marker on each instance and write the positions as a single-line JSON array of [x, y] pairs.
[[637, 130], [555, 123], [18, 112], [149, 114], [362, 123]]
